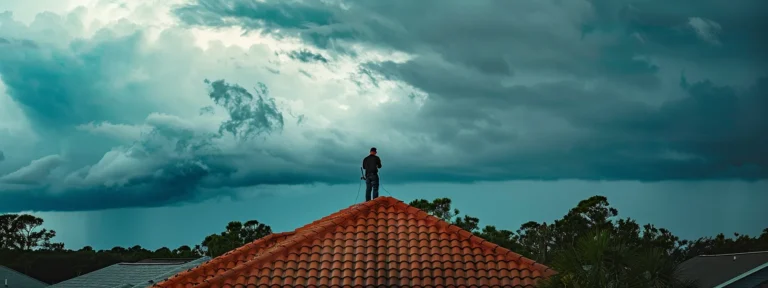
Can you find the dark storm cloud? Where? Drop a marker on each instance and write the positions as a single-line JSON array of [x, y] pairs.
[[70, 93], [515, 90], [249, 116], [714, 132], [32, 78], [487, 38], [172, 163], [467, 49], [178, 183], [739, 28]]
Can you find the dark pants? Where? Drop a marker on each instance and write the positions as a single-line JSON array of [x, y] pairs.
[[371, 183]]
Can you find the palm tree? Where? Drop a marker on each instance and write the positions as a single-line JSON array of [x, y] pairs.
[[601, 260]]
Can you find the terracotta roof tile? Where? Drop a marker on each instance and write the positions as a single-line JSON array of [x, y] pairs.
[[383, 242]]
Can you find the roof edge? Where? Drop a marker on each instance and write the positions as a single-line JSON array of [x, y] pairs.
[[81, 275], [225, 256], [742, 276], [480, 241], [187, 265]]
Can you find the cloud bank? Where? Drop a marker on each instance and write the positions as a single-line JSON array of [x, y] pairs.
[[155, 104]]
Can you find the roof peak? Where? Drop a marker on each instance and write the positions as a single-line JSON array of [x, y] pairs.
[[343, 232]]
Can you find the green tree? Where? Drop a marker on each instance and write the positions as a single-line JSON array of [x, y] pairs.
[[163, 252], [602, 259], [236, 234], [8, 231], [563, 240], [118, 249], [253, 230], [441, 208], [503, 238], [24, 232], [185, 251], [541, 241]]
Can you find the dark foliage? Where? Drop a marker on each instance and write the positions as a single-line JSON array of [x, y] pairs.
[[27, 248], [591, 247]]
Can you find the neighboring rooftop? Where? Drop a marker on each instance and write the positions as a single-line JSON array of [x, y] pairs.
[[141, 274], [10, 278], [714, 270], [166, 260], [383, 242]]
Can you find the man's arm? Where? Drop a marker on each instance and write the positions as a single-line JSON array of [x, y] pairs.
[[378, 162]]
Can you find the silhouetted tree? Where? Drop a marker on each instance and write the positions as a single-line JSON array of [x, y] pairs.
[[441, 208], [163, 252], [601, 259], [25, 232], [235, 235]]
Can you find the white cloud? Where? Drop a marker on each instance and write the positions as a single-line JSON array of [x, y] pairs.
[[121, 132], [35, 172], [12, 119], [706, 29]]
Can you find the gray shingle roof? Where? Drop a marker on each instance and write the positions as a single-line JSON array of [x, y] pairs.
[[130, 275], [17, 279], [712, 270]]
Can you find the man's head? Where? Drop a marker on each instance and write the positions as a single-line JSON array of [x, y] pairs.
[[373, 151]]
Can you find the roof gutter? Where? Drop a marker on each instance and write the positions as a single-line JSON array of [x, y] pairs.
[[742, 276]]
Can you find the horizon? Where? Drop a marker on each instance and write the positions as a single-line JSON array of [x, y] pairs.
[[120, 120], [92, 228]]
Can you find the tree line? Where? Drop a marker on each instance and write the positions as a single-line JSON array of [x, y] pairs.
[[590, 246]]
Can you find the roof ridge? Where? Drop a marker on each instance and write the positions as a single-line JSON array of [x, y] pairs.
[[305, 234], [733, 254]]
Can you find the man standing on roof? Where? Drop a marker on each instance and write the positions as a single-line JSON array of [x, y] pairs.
[[372, 164]]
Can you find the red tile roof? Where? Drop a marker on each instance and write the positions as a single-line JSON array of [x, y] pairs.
[[383, 242]]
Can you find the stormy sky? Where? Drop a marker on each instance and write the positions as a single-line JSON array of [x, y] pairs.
[[108, 104]]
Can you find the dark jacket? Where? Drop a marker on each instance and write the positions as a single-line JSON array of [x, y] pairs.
[[371, 164]]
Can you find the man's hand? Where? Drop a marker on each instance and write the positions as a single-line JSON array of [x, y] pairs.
[[362, 178]]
